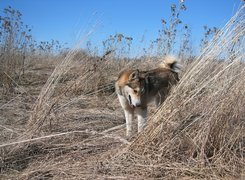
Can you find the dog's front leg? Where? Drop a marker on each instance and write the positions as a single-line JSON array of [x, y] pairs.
[[141, 115], [129, 115]]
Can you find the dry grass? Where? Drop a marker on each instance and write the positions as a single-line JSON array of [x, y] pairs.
[[199, 130], [74, 128]]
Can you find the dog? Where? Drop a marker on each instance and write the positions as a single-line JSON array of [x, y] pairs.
[[136, 89]]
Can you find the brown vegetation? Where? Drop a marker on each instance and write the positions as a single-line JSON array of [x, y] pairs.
[[63, 119]]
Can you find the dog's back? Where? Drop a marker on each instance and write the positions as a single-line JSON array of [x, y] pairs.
[[160, 80]]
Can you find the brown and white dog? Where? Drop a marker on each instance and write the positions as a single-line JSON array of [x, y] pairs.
[[136, 89]]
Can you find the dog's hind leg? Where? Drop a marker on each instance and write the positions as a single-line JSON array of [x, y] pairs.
[[141, 115], [160, 98]]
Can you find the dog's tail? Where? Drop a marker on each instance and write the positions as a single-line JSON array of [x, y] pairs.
[[170, 62]]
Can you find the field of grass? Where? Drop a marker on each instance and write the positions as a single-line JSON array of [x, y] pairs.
[[61, 119]]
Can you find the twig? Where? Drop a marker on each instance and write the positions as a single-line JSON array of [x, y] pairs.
[[66, 133]]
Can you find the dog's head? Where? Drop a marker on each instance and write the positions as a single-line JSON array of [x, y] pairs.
[[135, 88]]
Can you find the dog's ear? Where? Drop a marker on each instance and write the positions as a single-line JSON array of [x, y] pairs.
[[134, 75]]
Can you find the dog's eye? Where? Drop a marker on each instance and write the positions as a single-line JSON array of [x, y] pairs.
[[135, 91]]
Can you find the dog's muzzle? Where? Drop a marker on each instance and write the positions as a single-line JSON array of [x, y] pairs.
[[137, 104]]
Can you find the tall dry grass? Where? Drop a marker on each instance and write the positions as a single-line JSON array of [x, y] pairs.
[[198, 132], [75, 129]]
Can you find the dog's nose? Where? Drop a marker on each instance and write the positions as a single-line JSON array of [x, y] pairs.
[[137, 105]]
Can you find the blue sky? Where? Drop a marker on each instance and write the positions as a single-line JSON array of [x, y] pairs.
[[63, 19]]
